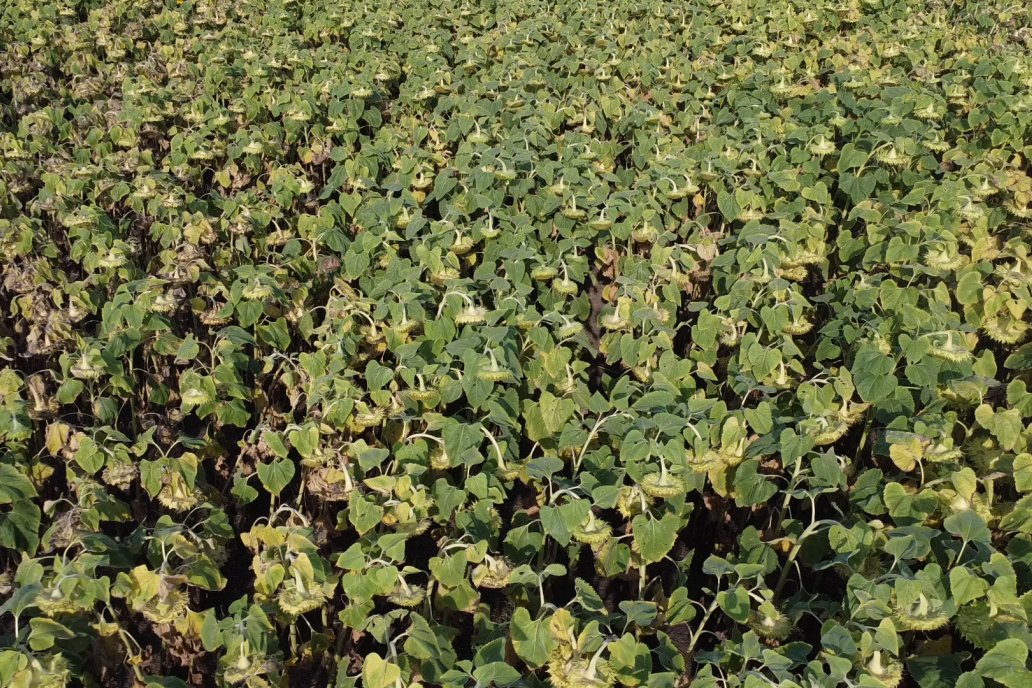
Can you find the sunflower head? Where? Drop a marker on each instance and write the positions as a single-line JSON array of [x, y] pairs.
[[407, 595], [770, 623], [471, 315], [592, 532], [493, 573], [662, 485], [921, 614], [886, 672]]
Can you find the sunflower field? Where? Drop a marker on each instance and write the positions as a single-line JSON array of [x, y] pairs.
[[545, 344]]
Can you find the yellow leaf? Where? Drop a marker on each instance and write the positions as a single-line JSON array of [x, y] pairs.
[[147, 583], [57, 437], [561, 626], [378, 672], [906, 454]]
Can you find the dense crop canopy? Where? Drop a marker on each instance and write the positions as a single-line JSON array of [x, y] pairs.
[[570, 344]]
